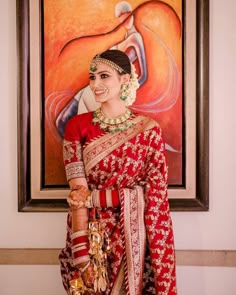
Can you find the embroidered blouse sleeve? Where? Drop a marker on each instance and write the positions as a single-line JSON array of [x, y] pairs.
[[72, 150], [157, 217]]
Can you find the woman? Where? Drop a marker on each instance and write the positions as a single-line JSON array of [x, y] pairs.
[[119, 237]]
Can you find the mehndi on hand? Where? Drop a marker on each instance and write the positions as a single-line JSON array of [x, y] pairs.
[[79, 197]]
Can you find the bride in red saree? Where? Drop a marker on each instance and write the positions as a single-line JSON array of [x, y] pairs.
[[116, 167]]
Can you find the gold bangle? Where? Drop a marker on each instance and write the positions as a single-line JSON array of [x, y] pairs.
[[80, 204]]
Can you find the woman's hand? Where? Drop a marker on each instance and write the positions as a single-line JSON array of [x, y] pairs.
[[79, 196]]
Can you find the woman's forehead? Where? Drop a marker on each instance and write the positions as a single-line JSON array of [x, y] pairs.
[[103, 67]]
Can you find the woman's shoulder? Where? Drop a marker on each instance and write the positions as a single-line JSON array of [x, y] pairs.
[[150, 123], [76, 123], [80, 118]]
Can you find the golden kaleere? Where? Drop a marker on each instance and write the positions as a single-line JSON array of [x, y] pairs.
[[77, 287], [99, 248]]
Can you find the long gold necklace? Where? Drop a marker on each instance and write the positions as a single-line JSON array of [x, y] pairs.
[[117, 124]]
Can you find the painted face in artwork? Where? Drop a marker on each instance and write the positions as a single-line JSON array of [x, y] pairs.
[[105, 83]]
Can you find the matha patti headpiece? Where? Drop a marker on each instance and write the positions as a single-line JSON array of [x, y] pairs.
[[97, 59]]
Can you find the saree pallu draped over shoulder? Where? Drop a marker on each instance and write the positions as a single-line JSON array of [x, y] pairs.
[[103, 146], [131, 163]]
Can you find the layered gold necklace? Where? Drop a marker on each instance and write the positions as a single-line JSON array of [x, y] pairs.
[[121, 123]]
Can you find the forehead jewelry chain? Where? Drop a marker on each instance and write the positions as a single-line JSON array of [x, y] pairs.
[[97, 60]]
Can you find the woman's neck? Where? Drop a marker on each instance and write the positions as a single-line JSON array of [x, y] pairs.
[[113, 110]]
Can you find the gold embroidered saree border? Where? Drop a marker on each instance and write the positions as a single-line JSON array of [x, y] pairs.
[[98, 149], [134, 230], [118, 285]]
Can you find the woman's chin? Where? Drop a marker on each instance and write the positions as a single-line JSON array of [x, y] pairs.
[[100, 99]]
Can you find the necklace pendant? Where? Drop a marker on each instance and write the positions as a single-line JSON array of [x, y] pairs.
[[118, 121], [106, 120], [103, 126], [112, 128], [122, 127], [119, 124]]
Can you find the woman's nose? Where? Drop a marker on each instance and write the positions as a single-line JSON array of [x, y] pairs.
[[96, 82]]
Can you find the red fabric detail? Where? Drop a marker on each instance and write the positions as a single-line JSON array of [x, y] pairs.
[[82, 239], [115, 198], [102, 196], [76, 275], [79, 127], [80, 253]]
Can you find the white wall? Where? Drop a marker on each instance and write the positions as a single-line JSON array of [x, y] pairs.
[[199, 230], [213, 229]]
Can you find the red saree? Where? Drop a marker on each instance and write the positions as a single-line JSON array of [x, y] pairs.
[[142, 260]]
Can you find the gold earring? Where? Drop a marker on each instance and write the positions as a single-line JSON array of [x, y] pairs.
[[124, 92]]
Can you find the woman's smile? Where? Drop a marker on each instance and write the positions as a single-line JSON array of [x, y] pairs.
[[100, 91]]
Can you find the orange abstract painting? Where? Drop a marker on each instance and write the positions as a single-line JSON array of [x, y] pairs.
[[150, 32]]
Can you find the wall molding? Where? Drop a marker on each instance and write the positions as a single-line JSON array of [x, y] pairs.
[[36, 256]]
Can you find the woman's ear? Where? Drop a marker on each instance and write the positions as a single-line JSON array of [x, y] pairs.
[[125, 78]]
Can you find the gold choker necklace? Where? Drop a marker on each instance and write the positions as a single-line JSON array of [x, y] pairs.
[[121, 123]]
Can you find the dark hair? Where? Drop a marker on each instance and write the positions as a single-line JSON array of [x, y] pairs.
[[119, 58]]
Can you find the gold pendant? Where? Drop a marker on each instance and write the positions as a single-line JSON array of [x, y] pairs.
[[121, 123]]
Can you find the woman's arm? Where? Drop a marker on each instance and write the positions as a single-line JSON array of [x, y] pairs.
[[80, 221], [76, 177], [79, 216]]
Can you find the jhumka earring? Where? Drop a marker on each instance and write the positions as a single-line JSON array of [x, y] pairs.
[[128, 90], [124, 92]]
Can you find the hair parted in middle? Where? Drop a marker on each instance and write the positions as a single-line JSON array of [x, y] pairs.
[[116, 57]]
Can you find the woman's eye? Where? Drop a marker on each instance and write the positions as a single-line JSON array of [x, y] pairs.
[[104, 76], [91, 77]]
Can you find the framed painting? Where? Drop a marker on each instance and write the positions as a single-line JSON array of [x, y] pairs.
[[168, 43]]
